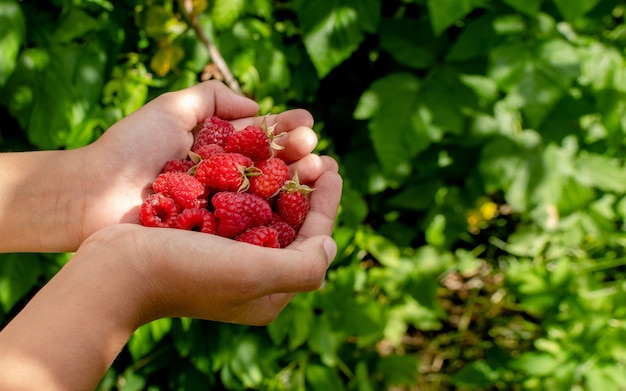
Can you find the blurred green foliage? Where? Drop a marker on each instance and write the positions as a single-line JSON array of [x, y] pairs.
[[481, 229]]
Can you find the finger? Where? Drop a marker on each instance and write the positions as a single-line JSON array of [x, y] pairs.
[[324, 205], [296, 144], [285, 121], [257, 312], [299, 268], [311, 167], [194, 104]]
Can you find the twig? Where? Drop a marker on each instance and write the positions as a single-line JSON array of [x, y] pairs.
[[216, 56]]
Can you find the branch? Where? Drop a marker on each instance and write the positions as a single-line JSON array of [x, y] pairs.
[[216, 56]]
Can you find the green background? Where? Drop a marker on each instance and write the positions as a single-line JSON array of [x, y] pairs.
[[481, 229]]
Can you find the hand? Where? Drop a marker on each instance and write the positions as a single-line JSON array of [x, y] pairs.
[[126, 275], [190, 274], [126, 159]]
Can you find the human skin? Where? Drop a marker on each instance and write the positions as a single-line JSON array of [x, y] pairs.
[[71, 194], [124, 275]]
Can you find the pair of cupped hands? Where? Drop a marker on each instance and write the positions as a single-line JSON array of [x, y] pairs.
[[183, 273], [123, 275]]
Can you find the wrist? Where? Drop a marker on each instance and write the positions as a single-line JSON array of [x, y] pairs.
[[41, 197], [68, 335]]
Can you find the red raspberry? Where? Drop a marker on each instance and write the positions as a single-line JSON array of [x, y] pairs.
[[208, 150], [292, 203], [225, 172], [197, 219], [183, 188], [237, 212], [213, 130], [158, 210], [274, 173], [177, 165], [286, 233], [250, 141], [261, 236], [253, 141]]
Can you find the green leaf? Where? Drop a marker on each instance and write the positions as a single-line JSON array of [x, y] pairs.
[[245, 362], [362, 319], [536, 77], [166, 58], [12, 32], [605, 376], [435, 232], [474, 40], [353, 207], [145, 337], [224, 13], [601, 171], [513, 166], [19, 273], [53, 90], [325, 340], [403, 40], [334, 29], [536, 94], [130, 381], [75, 24], [574, 196], [602, 67], [444, 13], [321, 378], [412, 313], [477, 374], [528, 7], [399, 370], [417, 197], [400, 126], [536, 363], [294, 323], [258, 59], [445, 99], [572, 9], [507, 64], [159, 22], [484, 87]]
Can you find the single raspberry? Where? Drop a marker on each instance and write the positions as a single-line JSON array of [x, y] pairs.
[[261, 236], [180, 186], [237, 212], [208, 150], [158, 210], [286, 233], [292, 203], [225, 172], [253, 141], [213, 130], [273, 174], [197, 219], [177, 165]]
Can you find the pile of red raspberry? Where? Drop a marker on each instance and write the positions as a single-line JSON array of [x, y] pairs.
[[231, 185]]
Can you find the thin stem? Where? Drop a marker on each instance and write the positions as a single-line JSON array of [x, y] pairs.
[[216, 56]]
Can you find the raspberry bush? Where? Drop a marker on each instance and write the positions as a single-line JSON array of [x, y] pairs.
[[480, 236]]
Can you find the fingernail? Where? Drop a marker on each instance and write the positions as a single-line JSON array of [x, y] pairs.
[[330, 247]]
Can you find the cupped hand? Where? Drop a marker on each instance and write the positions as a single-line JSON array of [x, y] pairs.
[[120, 166], [191, 274]]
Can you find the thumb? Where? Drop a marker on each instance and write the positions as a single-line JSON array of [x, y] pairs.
[[302, 268], [203, 100]]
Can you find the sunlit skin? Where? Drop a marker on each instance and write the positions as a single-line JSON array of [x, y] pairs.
[[124, 275]]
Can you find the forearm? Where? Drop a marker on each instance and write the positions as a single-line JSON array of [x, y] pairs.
[[40, 201], [72, 330]]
